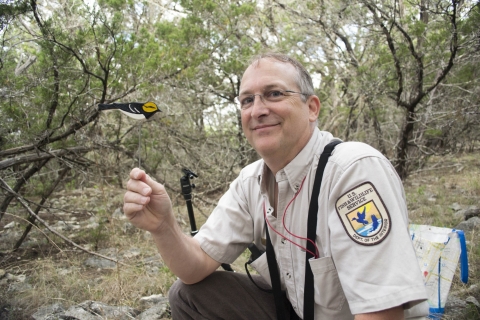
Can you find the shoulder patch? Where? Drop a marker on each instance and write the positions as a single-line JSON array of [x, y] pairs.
[[364, 215]]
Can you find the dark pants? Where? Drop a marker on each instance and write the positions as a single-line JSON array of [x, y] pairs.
[[222, 295]]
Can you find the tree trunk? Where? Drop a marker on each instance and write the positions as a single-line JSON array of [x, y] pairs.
[[402, 146]]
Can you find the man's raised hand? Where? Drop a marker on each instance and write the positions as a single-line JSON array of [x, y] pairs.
[[146, 202]]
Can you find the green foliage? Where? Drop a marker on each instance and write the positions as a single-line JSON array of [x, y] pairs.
[[421, 190], [115, 4], [10, 9], [432, 133]]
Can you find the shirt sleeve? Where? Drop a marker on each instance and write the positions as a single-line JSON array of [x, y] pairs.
[[369, 239], [229, 228]]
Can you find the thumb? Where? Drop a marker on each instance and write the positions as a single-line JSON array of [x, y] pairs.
[[156, 186]]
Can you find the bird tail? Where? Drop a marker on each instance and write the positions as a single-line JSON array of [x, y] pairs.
[[104, 106]]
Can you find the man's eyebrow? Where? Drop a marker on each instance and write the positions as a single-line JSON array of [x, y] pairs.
[[265, 88]]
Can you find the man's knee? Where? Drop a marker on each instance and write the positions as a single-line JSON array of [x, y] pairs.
[[221, 295], [175, 291], [200, 292]]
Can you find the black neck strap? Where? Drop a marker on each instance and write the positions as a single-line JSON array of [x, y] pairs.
[[309, 293], [278, 294]]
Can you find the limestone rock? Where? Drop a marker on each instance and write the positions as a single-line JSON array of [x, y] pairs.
[[469, 225], [49, 312]]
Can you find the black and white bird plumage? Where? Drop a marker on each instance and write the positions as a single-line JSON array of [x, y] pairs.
[[136, 110]]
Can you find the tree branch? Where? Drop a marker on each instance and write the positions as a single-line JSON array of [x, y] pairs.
[[71, 130], [33, 157], [20, 182]]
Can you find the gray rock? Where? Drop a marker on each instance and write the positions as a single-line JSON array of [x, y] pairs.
[[455, 206], [118, 214], [155, 260], [156, 312], [10, 225], [153, 299], [92, 310], [131, 253], [93, 225], [471, 212], [48, 312], [87, 310], [77, 312], [459, 214], [469, 225], [19, 287], [12, 277], [473, 301], [472, 289], [455, 307], [129, 228], [97, 262], [61, 226]]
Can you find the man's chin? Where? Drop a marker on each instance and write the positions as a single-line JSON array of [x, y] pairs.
[[266, 147]]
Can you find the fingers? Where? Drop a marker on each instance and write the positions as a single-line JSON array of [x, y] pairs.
[[151, 185], [134, 201], [139, 187], [138, 192]]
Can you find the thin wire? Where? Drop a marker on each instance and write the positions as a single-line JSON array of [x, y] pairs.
[[139, 152]]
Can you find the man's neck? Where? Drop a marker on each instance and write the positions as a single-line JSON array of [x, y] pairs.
[[278, 161]]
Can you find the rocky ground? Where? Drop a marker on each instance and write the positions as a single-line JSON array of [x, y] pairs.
[[116, 273]]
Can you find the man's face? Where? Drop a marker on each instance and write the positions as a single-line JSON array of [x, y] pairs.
[[281, 129]]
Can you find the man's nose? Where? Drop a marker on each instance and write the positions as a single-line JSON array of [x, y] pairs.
[[259, 107]]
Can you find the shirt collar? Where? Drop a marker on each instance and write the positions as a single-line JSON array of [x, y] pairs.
[[298, 168]]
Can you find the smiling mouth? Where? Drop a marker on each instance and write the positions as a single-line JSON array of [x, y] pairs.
[[265, 126]]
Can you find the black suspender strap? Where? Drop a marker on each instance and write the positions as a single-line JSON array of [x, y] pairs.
[[278, 295], [309, 292]]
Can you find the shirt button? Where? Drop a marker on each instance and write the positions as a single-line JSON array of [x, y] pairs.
[[289, 275], [296, 187], [283, 240]]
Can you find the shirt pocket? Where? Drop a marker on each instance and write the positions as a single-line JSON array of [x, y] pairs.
[[261, 266], [328, 290]]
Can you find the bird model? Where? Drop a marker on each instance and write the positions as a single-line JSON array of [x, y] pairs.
[[136, 110]]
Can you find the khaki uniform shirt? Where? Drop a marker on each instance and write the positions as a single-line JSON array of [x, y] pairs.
[[367, 262]]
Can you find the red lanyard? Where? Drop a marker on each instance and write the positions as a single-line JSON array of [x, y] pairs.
[[316, 254]]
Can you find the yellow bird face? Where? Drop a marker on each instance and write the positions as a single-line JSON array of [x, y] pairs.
[[149, 107]]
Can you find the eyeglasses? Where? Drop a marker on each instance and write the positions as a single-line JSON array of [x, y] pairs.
[[247, 100]]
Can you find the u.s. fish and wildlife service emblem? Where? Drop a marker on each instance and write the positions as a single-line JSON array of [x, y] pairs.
[[364, 215]]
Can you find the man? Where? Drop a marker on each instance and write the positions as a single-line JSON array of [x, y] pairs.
[[364, 265]]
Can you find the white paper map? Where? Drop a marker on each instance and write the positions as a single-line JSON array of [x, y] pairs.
[[438, 251]]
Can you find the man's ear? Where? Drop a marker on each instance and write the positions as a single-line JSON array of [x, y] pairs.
[[314, 107]]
